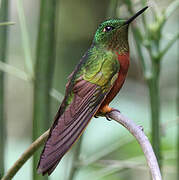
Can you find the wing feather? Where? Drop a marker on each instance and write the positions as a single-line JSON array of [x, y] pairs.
[[86, 101]]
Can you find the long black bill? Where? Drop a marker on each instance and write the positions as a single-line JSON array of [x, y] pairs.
[[137, 14]]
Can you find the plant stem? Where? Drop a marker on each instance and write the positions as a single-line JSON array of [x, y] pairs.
[[153, 86], [45, 60], [168, 46], [3, 57], [6, 23], [25, 38], [11, 70], [178, 117], [111, 13]]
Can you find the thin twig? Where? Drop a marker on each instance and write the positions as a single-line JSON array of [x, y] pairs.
[[56, 95], [177, 146], [25, 38], [25, 156], [11, 70], [118, 117], [168, 46], [7, 23], [7, 68], [142, 140]]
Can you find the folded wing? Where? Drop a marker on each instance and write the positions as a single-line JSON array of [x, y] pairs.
[[67, 128]]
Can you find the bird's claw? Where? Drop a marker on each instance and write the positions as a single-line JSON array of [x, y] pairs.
[[96, 116], [104, 115], [107, 117], [107, 114]]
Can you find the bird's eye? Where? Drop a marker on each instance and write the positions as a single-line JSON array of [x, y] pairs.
[[108, 28]]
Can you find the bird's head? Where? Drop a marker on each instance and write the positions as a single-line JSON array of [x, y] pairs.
[[113, 33]]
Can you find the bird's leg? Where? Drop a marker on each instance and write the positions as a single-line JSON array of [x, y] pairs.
[[104, 111]]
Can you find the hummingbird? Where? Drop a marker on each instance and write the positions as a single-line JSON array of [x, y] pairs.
[[92, 85]]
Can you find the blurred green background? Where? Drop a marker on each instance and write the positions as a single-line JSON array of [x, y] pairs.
[[76, 25]]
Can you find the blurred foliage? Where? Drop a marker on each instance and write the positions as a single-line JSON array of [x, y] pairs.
[[107, 150], [151, 39], [43, 73], [3, 57]]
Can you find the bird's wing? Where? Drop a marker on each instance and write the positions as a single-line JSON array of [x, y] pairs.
[[84, 95], [86, 101]]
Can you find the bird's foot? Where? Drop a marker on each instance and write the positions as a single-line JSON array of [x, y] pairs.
[[105, 112], [107, 117], [96, 116]]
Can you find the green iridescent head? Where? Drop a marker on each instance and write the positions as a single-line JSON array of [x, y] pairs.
[[113, 33]]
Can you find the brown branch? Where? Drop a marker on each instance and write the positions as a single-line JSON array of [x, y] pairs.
[[118, 117]]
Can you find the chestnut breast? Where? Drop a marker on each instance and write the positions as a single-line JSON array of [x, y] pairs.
[[124, 65]]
